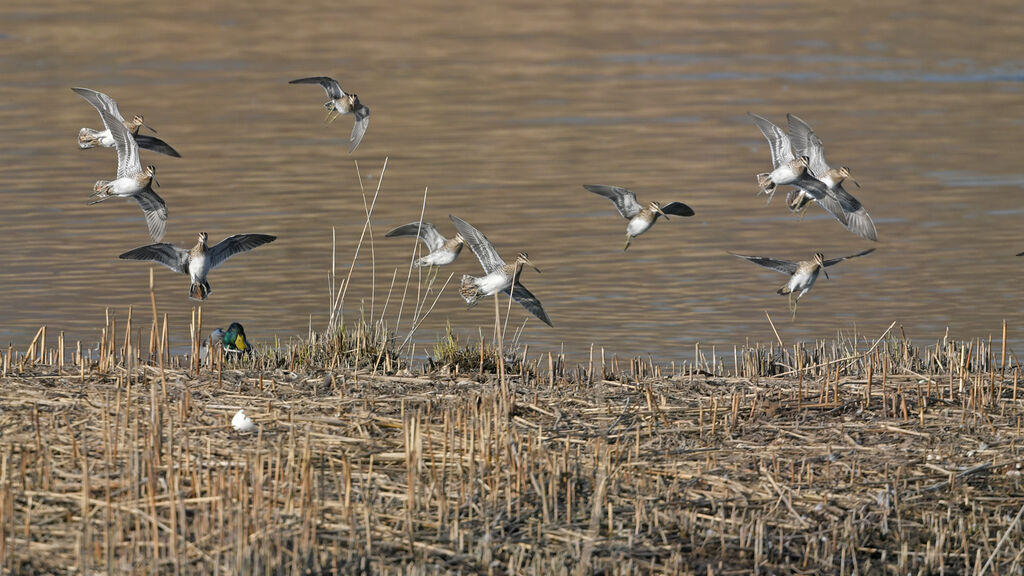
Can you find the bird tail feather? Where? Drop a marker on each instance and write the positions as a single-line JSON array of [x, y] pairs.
[[199, 290], [469, 291]]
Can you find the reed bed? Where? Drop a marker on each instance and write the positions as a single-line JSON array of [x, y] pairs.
[[855, 455]]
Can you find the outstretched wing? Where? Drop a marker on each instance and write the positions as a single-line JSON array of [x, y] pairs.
[[812, 186], [778, 141], [232, 245], [155, 209], [849, 211], [479, 244], [362, 121], [807, 143], [623, 198], [100, 101], [426, 232], [832, 261], [529, 301], [330, 85], [858, 220], [677, 209], [778, 265], [155, 144], [167, 254], [799, 134], [128, 163]]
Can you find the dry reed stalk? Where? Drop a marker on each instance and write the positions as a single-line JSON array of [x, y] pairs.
[[499, 336], [368, 229], [412, 258], [31, 352], [340, 299]]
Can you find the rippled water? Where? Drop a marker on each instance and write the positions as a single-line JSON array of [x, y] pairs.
[[503, 113]]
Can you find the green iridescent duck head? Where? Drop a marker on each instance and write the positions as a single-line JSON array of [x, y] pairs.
[[234, 339]]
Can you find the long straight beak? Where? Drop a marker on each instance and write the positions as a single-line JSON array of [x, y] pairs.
[[855, 182], [662, 212], [826, 273], [151, 129], [155, 181]]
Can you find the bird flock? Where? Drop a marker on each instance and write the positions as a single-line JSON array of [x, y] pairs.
[[797, 161]]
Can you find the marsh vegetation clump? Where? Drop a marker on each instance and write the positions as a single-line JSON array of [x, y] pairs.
[[872, 453]]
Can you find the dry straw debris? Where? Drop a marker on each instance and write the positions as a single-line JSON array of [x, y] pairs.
[[853, 456]]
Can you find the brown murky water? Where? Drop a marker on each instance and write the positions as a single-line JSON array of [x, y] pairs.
[[503, 113]]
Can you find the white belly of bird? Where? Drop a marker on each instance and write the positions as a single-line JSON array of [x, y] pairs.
[[105, 139], [802, 281], [638, 226], [197, 269], [439, 258], [126, 186], [784, 175], [493, 282]]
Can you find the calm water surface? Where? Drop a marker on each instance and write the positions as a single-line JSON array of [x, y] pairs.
[[502, 113]]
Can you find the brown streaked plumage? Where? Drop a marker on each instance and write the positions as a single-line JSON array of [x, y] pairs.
[[442, 250], [836, 199], [801, 274], [788, 169], [499, 277], [342, 103], [641, 218], [132, 180], [89, 138], [200, 259]]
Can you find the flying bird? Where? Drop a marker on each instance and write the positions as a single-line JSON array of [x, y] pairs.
[[442, 250], [342, 103], [640, 218], [787, 168], [499, 277], [801, 274], [89, 138], [807, 143], [132, 181], [198, 261]]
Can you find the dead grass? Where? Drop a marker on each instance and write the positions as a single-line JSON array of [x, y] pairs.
[[848, 456]]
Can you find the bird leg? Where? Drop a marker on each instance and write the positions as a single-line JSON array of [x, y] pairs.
[[764, 182], [793, 305], [100, 192]]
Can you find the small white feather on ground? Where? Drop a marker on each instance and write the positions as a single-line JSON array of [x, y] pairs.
[[242, 423]]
